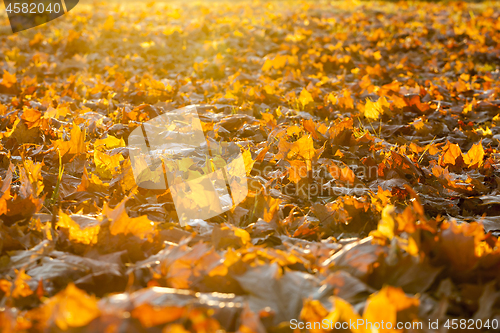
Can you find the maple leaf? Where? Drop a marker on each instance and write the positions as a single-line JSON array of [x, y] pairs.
[[150, 316], [86, 235], [268, 287], [249, 162], [22, 133], [305, 97], [342, 173], [70, 308], [387, 225], [92, 183], [343, 312], [110, 142], [452, 154], [271, 208], [373, 110], [8, 80], [229, 235], [121, 223], [458, 245], [21, 287], [474, 156], [106, 165], [31, 117], [303, 148], [31, 179], [297, 171], [388, 303], [332, 98], [279, 61], [415, 101], [346, 100], [5, 191], [76, 145], [310, 126]]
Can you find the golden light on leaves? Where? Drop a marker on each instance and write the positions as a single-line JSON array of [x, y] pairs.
[[249, 162], [373, 110], [21, 288], [76, 145], [386, 225], [8, 80], [121, 223], [71, 307], [106, 165], [387, 303], [150, 316], [451, 153], [87, 235], [110, 142], [305, 97], [475, 155]]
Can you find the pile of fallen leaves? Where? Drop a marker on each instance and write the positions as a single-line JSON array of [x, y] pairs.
[[370, 133]]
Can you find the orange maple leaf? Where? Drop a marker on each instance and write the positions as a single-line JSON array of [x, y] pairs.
[[475, 155]]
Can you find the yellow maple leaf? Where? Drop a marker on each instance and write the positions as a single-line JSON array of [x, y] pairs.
[[297, 171], [32, 174], [110, 142], [121, 223], [106, 165], [8, 80], [385, 305], [374, 109], [303, 147], [271, 208], [278, 62], [386, 225], [346, 100], [71, 307], [21, 287], [366, 84], [344, 174], [293, 130], [332, 98], [77, 140], [127, 180], [305, 97], [78, 234], [249, 162], [76, 145], [398, 102], [22, 133], [92, 183], [344, 312]]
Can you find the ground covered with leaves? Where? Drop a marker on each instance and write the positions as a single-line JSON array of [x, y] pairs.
[[370, 133]]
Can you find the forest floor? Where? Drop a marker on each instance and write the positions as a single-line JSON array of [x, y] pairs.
[[370, 137]]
